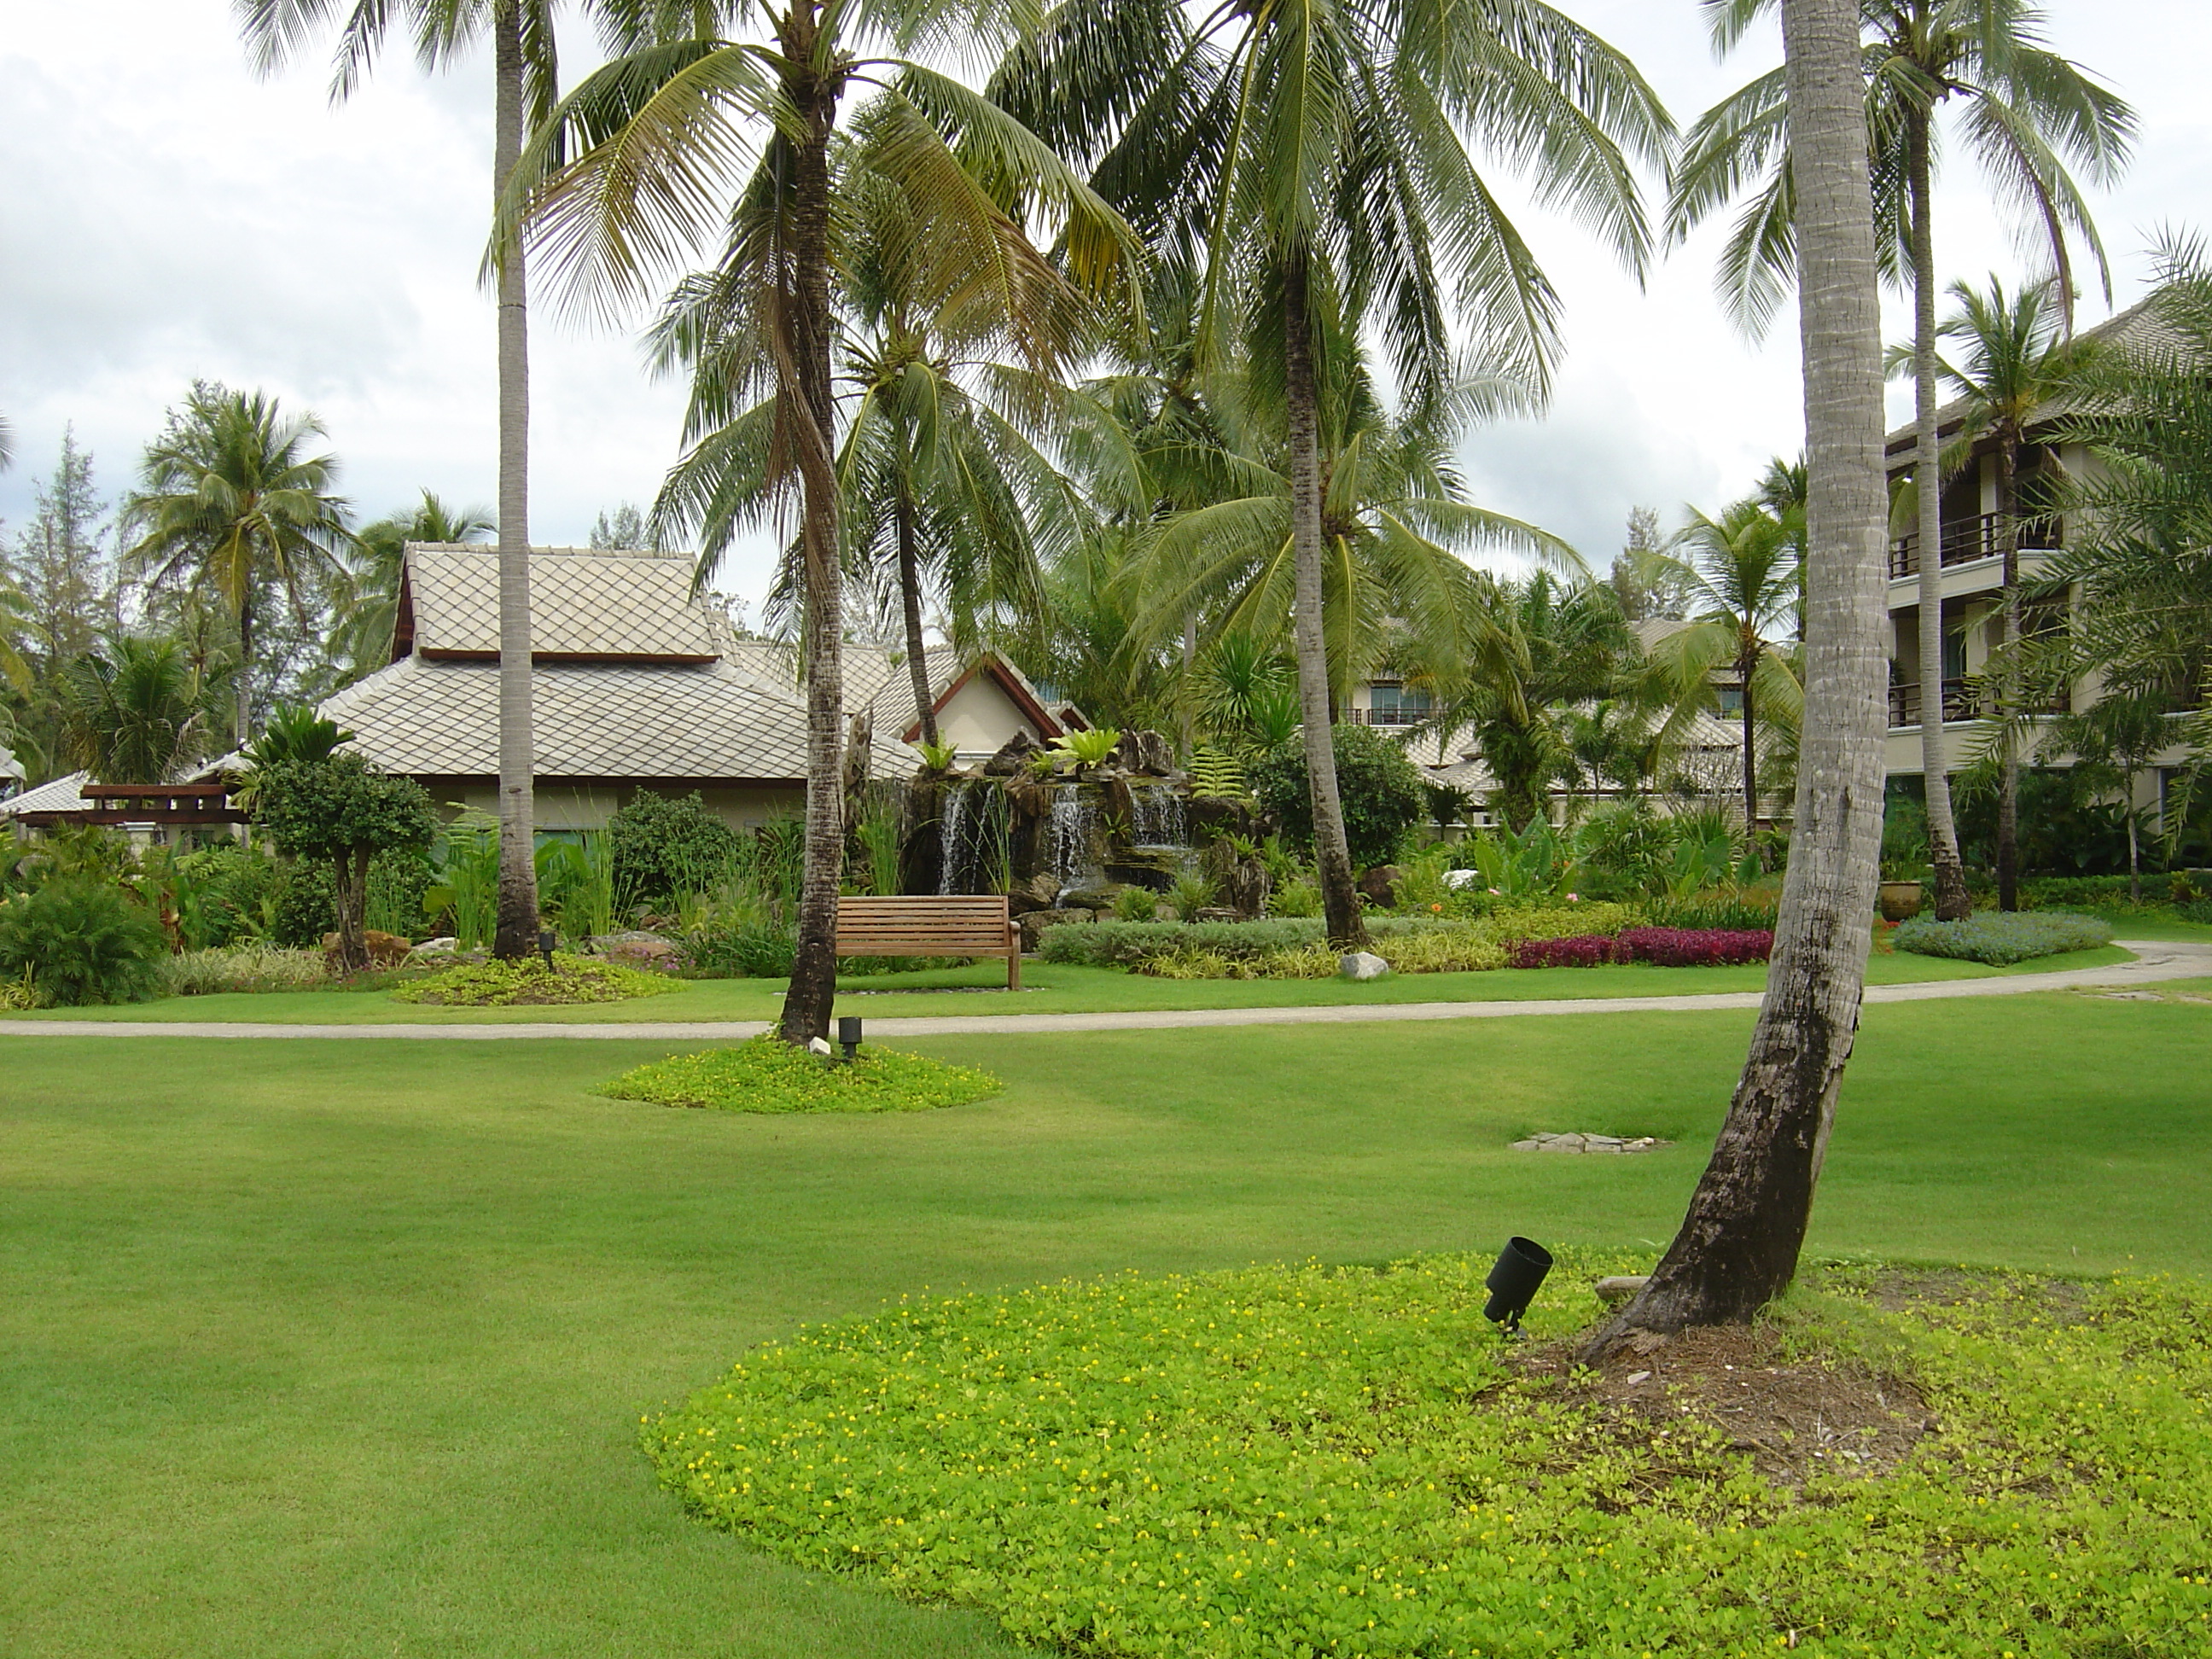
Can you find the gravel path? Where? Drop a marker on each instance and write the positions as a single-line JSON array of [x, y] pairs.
[[2155, 961]]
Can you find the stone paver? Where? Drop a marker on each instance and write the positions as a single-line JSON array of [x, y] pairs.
[[2155, 961]]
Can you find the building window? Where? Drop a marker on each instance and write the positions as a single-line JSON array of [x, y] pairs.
[[1396, 705], [1731, 698]]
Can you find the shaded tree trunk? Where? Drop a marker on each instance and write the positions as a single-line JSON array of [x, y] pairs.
[[1951, 899], [2008, 632], [1750, 756], [351, 870], [515, 933], [243, 717], [909, 571], [1331, 855], [1739, 1243], [809, 415]]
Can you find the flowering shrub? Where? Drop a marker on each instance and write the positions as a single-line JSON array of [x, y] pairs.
[[1698, 947], [1315, 1462], [767, 1074]]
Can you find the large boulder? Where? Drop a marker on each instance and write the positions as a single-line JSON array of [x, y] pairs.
[[1379, 885], [1147, 754], [1361, 965], [1035, 924], [1014, 756]]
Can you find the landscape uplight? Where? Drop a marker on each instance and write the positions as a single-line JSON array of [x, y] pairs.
[[545, 942], [849, 1036], [1513, 1281]]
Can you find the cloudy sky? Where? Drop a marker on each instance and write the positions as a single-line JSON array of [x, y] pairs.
[[166, 214]]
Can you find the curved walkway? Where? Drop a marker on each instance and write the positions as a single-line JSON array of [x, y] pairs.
[[2155, 960]]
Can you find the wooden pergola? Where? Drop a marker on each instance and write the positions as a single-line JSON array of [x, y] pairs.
[[144, 803]]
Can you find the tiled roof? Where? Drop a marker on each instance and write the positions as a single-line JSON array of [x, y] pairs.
[[592, 721], [59, 796], [584, 603]]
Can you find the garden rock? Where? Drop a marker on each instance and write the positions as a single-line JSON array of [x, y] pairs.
[[1363, 965], [435, 947], [1036, 923], [1145, 753], [1619, 1287], [1014, 756], [1589, 1143]]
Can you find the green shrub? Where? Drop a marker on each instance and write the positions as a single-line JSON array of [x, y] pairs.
[[1124, 944], [1298, 897], [770, 1075], [1192, 891], [1376, 781], [663, 848], [2000, 939], [20, 994], [1320, 1462], [243, 968], [304, 906], [727, 946], [2196, 910], [529, 981], [1136, 904], [1569, 920], [1735, 908], [82, 941]]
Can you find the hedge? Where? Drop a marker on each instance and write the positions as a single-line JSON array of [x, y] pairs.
[[2000, 938]]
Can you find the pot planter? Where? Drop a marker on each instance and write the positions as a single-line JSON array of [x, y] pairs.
[[1900, 899]]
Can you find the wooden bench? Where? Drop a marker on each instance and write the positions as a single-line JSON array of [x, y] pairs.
[[958, 925]]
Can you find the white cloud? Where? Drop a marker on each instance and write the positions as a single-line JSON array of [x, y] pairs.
[[166, 214]]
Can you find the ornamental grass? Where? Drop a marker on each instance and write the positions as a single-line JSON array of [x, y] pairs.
[[528, 982]]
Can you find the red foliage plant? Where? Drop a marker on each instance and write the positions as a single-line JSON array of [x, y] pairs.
[[1663, 947]]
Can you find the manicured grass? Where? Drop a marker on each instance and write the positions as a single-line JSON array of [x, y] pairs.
[[324, 1349], [1047, 988]]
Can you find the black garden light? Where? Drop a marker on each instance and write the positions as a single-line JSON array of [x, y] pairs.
[[545, 942], [1513, 1282], [849, 1036]]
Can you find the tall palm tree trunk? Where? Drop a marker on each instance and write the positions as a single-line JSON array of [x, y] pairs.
[[1738, 1244], [910, 574], [2008, 632], [1951, 900], [811, 412], [1750, 756], [1332, 853], [243, 720], [515, 933]]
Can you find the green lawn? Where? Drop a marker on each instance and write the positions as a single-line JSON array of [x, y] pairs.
[[338, 1349], [1048, 988]]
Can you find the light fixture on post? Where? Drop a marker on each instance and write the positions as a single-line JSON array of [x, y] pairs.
[[546, 938], [849, 1036], [1520, 1268]]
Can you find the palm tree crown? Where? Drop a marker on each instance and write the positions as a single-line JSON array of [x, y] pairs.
[[233, 495]]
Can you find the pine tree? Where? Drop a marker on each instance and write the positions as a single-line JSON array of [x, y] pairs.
[[61, 570]]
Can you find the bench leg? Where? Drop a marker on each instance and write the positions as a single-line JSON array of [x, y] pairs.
[[1014, 967]]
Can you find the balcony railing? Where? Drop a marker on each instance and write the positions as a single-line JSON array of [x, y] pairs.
[[1961, 702], [1966, 540], [1386, 716]]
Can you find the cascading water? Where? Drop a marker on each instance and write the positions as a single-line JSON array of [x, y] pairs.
[[1073, 837], [1157, 817], [972, 828]]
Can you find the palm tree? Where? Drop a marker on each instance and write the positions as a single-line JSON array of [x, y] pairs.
[[663, 137], [369, 607], [1395, 583], [1524, 653], [1738, 1246], [2026, 112], [135, 712], [230, 497], [1313, 162], [1743, 573], [942, 486], [2009, 379], [525, 86]]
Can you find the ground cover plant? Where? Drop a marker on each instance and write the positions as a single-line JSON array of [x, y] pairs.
[[770, 1075], [1663, 947], [528, 982], [382, 1318], [1350, 1461], [243, 968], [1293, 945], [2000, 938]]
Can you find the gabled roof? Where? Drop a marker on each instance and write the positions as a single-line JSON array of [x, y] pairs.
[[59, 796], [586, 605], [897, 696], [595, 720]]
